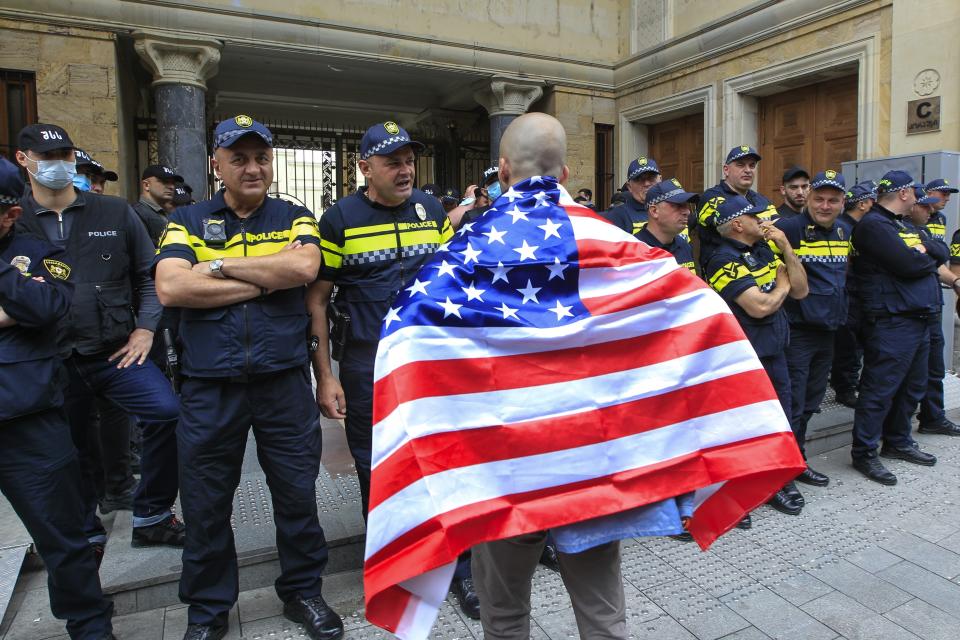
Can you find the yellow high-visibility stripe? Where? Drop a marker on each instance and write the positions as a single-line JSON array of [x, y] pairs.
[[727, 274], [829, 248], [375, 229], [910, 239], [389, 241], [709, 209]]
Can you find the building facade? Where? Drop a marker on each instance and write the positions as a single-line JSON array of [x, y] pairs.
[[808, 82]]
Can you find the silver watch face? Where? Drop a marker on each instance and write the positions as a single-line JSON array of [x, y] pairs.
[[216, 264]]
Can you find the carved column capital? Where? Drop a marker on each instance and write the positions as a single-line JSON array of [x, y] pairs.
[[176, 59], [505, 95]]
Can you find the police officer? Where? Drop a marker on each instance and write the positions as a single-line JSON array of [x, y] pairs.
[[668, 210], [739, 172], [471, 207], [932, 416], [822, 243], [374, 243], [91, 176], [237, 265], [940, 191], [847, 352], [105, 342], [896, 275], [157, 187], [642, 174], [794, 188], [755, 283], [39, 472]]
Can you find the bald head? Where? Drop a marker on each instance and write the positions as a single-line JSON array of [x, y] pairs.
[[534, 144]]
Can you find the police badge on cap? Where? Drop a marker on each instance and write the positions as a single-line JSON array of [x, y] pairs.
[[421, 212], [21, 264]]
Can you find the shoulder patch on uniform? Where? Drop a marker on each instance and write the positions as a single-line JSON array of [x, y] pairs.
[[59, 270]]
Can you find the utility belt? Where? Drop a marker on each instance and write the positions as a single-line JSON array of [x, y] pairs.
[[915, 315]]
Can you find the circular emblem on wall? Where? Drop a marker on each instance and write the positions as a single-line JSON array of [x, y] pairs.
[[926, 82]]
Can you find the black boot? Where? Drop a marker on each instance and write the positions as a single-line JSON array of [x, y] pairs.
[[467, 597], [318, 619], [784, 504]]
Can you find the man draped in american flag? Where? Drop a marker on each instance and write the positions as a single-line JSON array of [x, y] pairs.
[[545, 370]]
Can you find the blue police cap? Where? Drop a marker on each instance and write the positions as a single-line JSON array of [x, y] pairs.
[[828, 178], [451, 193], [490, 174], [894, 181], [941, 185], [642, 165], [11, 182], [232, 129], [669, 191], [860, 192], [732, 208], [922, 197], [741, 152], [385, 138]]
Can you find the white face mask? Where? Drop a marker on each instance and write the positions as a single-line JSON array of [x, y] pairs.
[[54, 174]]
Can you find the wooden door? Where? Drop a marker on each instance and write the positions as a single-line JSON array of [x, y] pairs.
[[814, 127], [677, 146]]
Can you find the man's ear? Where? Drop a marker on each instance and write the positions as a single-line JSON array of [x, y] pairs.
[[562, 178], [364, 166]]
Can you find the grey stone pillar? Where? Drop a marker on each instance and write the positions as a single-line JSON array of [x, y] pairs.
[[181, 68], [505, 98]]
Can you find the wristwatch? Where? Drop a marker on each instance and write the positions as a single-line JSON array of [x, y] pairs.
[[216, 267]]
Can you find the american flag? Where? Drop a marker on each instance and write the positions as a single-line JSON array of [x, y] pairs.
[[544, 368]]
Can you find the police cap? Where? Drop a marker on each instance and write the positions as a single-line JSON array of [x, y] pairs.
[[11, 182], [732, 208], [385, 138], [232, 129]]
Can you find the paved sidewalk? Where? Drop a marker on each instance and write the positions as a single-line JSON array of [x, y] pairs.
[[863, 561]]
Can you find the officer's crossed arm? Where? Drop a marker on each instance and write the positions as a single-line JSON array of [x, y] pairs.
[[758, 304], [178, 285], [797, 275], [295, 266], [330, 396]]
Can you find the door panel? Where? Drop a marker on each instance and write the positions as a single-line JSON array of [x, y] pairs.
[[677, 146]]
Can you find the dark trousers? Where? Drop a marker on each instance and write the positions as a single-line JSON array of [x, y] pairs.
[[142, 391], [111, 428], [779, 374], [895, 372], [847, 357], [356, 377], [809, 357], [40, 476], [931, 407], [215, 418]]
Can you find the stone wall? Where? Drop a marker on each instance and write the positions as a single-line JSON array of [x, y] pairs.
[[76, 82]]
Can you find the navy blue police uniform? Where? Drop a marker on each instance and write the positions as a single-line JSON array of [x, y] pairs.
[[814, 319], [900, 295], [735, 267], [245, 365], [713, 197], [670, 191], [847, 344], [39, 469], [632, 216]]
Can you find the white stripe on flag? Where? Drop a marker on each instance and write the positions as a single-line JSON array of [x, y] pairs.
[[428, 591], [443, 414], [415, 343], [448, 490], [589, 228], [611, 281]]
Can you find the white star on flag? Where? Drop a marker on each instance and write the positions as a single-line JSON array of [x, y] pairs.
[[470, 254], [517, 214], [556, 269], [511, 194], [453, 309], [473, 293], [496, 236], [529, 293], [549, 228], [506, 311], [445, 268], [500, 272], [560, 310], [526, 251], [418, 287], [392, 315], [537, 180], [542, 199], [466, 227]]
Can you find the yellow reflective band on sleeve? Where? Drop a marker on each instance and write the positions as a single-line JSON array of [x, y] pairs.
[[937, 229], [727, 274], [910, 239], [446, 231], [304, 226], [708, 211], [770, 213], [175, 234], [955, 250], [332, 254], [638, 227]]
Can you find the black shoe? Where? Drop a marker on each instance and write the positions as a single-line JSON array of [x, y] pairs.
[[169, 532], [874, 469], [746, 523], [549, 558], [782, 503], [467, 597], [909, 454], [945, 428], [847, 398], [686, 536], [794, 494], [814, 478], [318, 619], [118, 501], [205, 632]]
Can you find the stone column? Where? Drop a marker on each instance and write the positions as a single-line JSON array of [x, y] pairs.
[[181, 67], [505, 98]]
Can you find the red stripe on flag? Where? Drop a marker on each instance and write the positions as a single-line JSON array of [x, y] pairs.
[[454, 449], [675, 283], [391, 604], [592, 253], [432, 378], [764, 464]]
